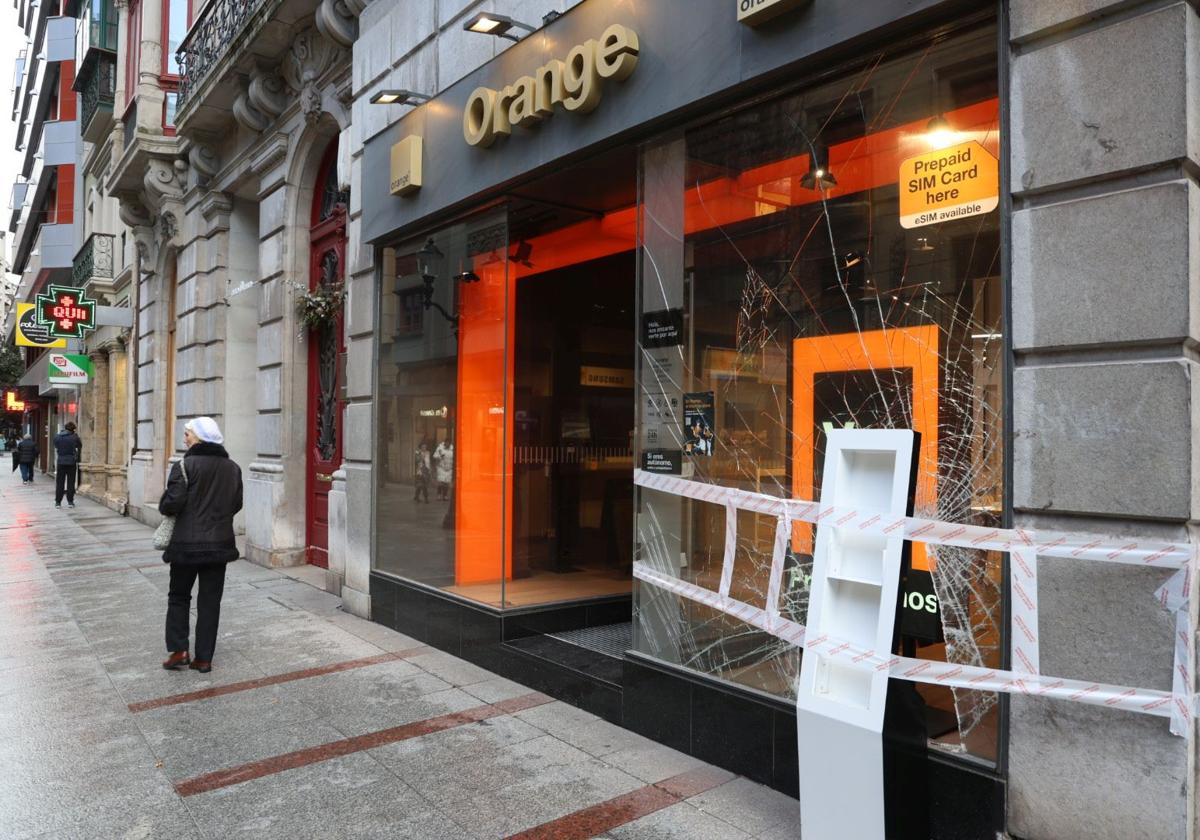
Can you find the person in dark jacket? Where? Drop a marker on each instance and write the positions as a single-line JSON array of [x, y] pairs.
[[68, 452], [203, 493], [27, 454]]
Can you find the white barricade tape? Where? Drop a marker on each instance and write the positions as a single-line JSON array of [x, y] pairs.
[[1181, 676], [1023, 630], [1144, 700], [731, 514], [1023, 547], [1072, 546]]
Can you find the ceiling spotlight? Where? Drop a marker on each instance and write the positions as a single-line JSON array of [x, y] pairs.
[[467, 277], [923, 245], [818, 175], [939, 133], [398, 97], [488, 23]]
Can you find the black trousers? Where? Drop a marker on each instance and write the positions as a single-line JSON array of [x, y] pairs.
[[208, 608], [64, 481]]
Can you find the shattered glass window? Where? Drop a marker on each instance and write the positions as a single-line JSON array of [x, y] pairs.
[[826, 259]]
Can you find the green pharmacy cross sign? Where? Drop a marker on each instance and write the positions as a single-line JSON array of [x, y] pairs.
[[66, 311]]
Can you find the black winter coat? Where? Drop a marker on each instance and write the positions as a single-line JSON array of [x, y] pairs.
[[68, 449], [203, 507], [27, 452]]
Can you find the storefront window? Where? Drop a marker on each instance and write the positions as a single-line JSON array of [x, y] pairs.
[[506, 437], [799, 272], [443, 382]]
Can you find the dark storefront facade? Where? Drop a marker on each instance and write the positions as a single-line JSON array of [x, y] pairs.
[[693, 248]]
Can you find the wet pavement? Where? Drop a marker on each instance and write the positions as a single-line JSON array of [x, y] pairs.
[[312, 724]]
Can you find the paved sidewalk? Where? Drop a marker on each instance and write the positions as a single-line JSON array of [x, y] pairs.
[[312, 724]]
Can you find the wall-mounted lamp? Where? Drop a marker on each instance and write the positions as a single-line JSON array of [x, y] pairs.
[[488, 23], [522, 254], [398, 97], [818, 175]]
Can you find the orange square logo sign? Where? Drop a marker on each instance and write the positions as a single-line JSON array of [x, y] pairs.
[[947, 184]]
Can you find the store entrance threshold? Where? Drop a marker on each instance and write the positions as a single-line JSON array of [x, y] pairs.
[[594, 652]]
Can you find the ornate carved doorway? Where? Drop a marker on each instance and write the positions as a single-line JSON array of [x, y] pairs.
[[326, 344]]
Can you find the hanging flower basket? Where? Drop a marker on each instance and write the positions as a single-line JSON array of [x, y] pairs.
[[318, 308]]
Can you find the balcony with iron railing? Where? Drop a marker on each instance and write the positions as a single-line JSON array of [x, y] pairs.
[[222, 31], [96, 71], [96, 91], [92, 267]]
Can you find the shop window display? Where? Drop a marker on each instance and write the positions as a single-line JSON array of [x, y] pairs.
[[788, 287], [506, 406]]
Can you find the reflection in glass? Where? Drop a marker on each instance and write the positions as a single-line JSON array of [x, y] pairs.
[[441, 420]]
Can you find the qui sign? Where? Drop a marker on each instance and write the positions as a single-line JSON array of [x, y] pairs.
[[67, 312]]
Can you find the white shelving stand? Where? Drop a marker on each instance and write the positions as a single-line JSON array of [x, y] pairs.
[[839, 709]]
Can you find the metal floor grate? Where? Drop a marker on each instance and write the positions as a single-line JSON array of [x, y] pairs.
[[609, 639]]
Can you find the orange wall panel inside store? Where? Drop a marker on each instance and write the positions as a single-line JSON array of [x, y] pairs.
[[483, 428]]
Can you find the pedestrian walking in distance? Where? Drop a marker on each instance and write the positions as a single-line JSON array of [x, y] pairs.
[[68, 452], [27, 454], [204, 491]]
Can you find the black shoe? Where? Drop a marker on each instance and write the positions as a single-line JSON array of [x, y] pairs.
[[58, 504], [70, 504]]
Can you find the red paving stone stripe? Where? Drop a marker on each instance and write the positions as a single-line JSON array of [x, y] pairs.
[[94, 569], [346, 746], [290, 676], [627, 807]]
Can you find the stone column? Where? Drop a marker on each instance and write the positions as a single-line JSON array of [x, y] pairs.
[[117, 133], [149, 93], [118, 408], [355, 507], [1105, 150], [275, 482], [95, 446]]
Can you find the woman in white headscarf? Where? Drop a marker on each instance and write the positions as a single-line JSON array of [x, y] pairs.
[[203, 493]]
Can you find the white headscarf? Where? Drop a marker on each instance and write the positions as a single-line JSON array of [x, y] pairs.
[[206, 429]]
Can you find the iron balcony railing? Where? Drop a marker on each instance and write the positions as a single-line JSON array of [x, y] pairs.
[[96, 91], [209, 40], [93, 260]]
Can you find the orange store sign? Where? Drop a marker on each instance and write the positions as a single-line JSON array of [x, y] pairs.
[[946, 184]]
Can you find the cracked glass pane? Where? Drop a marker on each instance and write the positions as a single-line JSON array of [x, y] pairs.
[[828, 258]]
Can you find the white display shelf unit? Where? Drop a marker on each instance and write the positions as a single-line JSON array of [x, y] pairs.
[[855, 581]]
